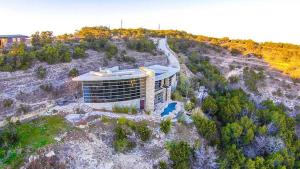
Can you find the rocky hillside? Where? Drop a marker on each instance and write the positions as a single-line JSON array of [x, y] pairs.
[[22, 92]]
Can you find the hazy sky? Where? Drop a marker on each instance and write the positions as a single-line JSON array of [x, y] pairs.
[[261, 20]]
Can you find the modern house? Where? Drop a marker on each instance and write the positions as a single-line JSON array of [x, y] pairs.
[[8, 40], [143, 88]]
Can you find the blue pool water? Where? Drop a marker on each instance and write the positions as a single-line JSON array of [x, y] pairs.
[[168, 109]]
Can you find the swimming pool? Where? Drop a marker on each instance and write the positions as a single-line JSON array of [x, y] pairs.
[[168, 109]]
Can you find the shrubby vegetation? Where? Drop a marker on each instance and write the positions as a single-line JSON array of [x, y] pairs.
[[207, 128], [252, 79], [180, 154], [73, 72], [124, 109], [125, 128], [165, 125], [141, 45]]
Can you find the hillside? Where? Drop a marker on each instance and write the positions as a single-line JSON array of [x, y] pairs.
[[233, 107]]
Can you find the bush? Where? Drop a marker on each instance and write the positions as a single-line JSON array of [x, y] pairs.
[[162, 165], [209, 105], [7, 103], [79, 52], [122, 143], [165, 125], [111, 50], [143, 131], [207, 128], [52, 54], [124, 109], [176, 96], [189, 106], [141, 45], [180, 153], [41, 72], [73, 72]]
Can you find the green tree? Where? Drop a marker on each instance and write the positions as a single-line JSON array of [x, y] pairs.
[[231, 133], [207, 128], [180, 153], [209, 105]]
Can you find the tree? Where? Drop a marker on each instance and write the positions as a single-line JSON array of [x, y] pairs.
[[231, 133], [207, 128], [180, 153], [248, 129], [41, 39], [209, 105]]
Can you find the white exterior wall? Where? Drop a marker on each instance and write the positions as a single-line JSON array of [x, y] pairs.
[[109, 105]]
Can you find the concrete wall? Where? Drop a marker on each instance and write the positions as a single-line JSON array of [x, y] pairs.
[[109, 106], [150, 88]]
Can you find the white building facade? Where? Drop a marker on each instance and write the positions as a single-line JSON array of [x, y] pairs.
[[142, 88]]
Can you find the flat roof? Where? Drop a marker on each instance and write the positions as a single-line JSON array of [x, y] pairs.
[[111, 75], [161, 72], [13, 36]]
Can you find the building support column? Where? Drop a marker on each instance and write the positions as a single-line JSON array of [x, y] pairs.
[[150, 89]]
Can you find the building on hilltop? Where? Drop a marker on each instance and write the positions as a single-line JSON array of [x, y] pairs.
[[9, 40], [142, 88]]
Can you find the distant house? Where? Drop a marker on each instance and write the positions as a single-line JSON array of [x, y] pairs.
[[8, 40]]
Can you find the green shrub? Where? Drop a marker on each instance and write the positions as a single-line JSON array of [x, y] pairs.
[[121, 142], [79, 52], [141, 45], [180, 153], [122, 121], [143, 131], [73, 72], [188, 106], [162, 165], [165, 125], [41, 72], [207, 128], [124, 109], [111, 50], [176, 96], [123, 145]]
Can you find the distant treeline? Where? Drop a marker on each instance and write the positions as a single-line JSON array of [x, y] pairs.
[[282, 56]]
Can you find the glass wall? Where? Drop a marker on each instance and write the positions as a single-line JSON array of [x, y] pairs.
[[113, 90]]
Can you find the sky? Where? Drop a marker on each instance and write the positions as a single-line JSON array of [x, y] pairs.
[[260, 20]]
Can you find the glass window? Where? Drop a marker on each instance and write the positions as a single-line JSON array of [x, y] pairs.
[[114, 90]]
